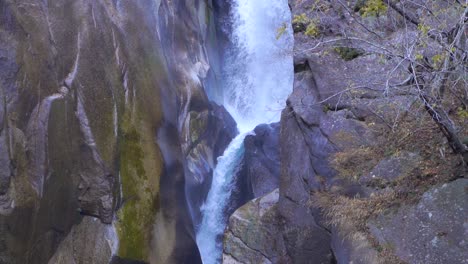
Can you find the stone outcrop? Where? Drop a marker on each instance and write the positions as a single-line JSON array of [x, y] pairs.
[[254, 233]]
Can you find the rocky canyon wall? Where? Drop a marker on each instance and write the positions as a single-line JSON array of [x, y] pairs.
[[104, 129]]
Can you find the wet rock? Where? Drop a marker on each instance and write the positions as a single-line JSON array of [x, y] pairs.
[[304, 152], [193, 132], [432, 231], [171, 243], [261, 159], [209, 134], [224, 130], [96, 181], [259, 172], [37, 135]]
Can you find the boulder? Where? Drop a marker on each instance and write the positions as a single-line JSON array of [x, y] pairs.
[[254, 233], [257, 233], [433, 231]]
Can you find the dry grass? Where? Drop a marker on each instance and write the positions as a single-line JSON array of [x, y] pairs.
[[352, 214], [415, 132], [340, 210], [353, 163]]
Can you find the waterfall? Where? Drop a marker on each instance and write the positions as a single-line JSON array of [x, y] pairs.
[[258, 67], [257, 71]]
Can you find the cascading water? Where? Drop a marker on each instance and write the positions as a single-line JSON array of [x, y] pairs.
[[257, 78]]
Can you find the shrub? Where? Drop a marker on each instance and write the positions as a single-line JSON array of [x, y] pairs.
[[373, 8], [302, 23], [312, 30]]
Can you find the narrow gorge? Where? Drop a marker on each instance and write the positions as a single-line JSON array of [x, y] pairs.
[[255, 61], [233, 131]]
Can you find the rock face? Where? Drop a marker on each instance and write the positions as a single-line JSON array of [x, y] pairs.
[[303, 152], [258, 173], [433, 231], [261, 160], [259, 170], [90, 241], [102, 110], [208, 134]]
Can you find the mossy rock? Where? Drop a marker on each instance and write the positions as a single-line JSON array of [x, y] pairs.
[[140, 169]]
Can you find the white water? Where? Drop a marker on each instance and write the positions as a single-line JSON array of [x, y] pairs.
[[258, 68], [257, 79]]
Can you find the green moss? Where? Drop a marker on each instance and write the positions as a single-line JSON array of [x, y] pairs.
[[347, 53], [300, 23], [370, 7], [132, 153], [302, 19], [140, 168], [312, 29], [135, 228], [140, 160]]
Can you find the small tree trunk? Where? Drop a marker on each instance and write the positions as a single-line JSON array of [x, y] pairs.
[[446, 125]]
